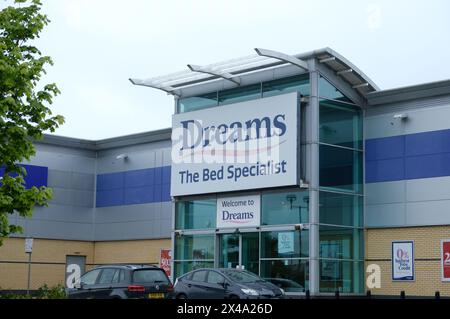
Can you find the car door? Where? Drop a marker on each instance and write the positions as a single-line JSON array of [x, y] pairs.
[[104, 285], [84, 289], [215, 285], [197, 287]]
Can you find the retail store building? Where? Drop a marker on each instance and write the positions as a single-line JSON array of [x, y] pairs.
[[297, 168]]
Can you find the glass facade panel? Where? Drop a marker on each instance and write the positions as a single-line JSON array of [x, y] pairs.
[[328, 91], [196, 214], [340, 169], [298, 83], [285, 244], [342, 276], [284, 208], [182, 267], [341, 209], [240, 94], [197, 102], [190, 247], [340, 243], [340, 124], [292, 275]]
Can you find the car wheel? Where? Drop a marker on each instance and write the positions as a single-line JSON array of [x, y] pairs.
[[181, 296]]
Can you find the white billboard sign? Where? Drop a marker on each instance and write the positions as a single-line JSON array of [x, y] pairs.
[[239, 211], [403, 260], [240, 146]]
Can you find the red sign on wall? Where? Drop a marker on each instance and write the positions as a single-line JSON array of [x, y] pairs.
[[445, 259], [164, 260]]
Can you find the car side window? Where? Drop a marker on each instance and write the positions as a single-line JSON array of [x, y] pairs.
[[215, 278], [116, 276], [107, 276], [199, 275], [90, 277]]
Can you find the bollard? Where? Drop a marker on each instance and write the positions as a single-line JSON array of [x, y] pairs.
[[337, 294], [369, 294], [307, 294], [437, 295], [402, 294]]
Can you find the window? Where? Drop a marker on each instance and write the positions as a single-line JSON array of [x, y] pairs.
[[107, 276], [285, 208], [299, 83], [343, 276], [340, 209], [182, 267], [199, 276], [197, 102], [340, 169], [292, 275], [215, 278], [196, 214], [150, 276], [119, 276], [341, 243], [90, 277], [190, 247], [240, 94], [327, 90], [340, 124], [285, 244]]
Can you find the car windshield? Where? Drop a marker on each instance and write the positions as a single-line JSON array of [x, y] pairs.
[[150, 276], [242, 276]]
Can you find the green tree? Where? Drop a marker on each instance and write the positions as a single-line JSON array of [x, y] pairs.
[[24, 108]]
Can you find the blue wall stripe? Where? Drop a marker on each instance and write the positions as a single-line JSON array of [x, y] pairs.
[[412, 156], [151, 185], [36, 175]]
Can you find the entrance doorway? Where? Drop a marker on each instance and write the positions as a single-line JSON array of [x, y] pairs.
[[239, 251]]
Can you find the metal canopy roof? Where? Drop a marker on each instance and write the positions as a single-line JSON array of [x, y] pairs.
[[232, 70]]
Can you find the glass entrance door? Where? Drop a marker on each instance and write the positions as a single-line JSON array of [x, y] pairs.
[[239, 251]]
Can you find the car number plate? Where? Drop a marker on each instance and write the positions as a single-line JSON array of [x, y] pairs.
[[156, 295]]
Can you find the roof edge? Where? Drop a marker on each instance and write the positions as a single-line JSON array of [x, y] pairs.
[[108, 143], [410, 92]]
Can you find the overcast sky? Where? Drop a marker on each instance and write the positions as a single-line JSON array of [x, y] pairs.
[[98, 44]]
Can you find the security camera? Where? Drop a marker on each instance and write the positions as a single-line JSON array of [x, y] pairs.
[[122, 156]]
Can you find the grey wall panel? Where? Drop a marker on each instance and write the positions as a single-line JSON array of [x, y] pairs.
[[113, 214], [70, 180], [428, 189], [419, 120], [63, 213], [158, 215], [384, 193], [385, 215], [61, 230], [73, 197], [165, 227], [428, 213], [166, 210], [128, 231], [55, 229], [136, 160]]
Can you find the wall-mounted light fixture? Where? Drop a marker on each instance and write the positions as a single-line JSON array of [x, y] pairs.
[[400, 116], [122, 157]]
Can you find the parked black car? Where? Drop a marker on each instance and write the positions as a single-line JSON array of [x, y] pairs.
[[224, 283], [122, 282]]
